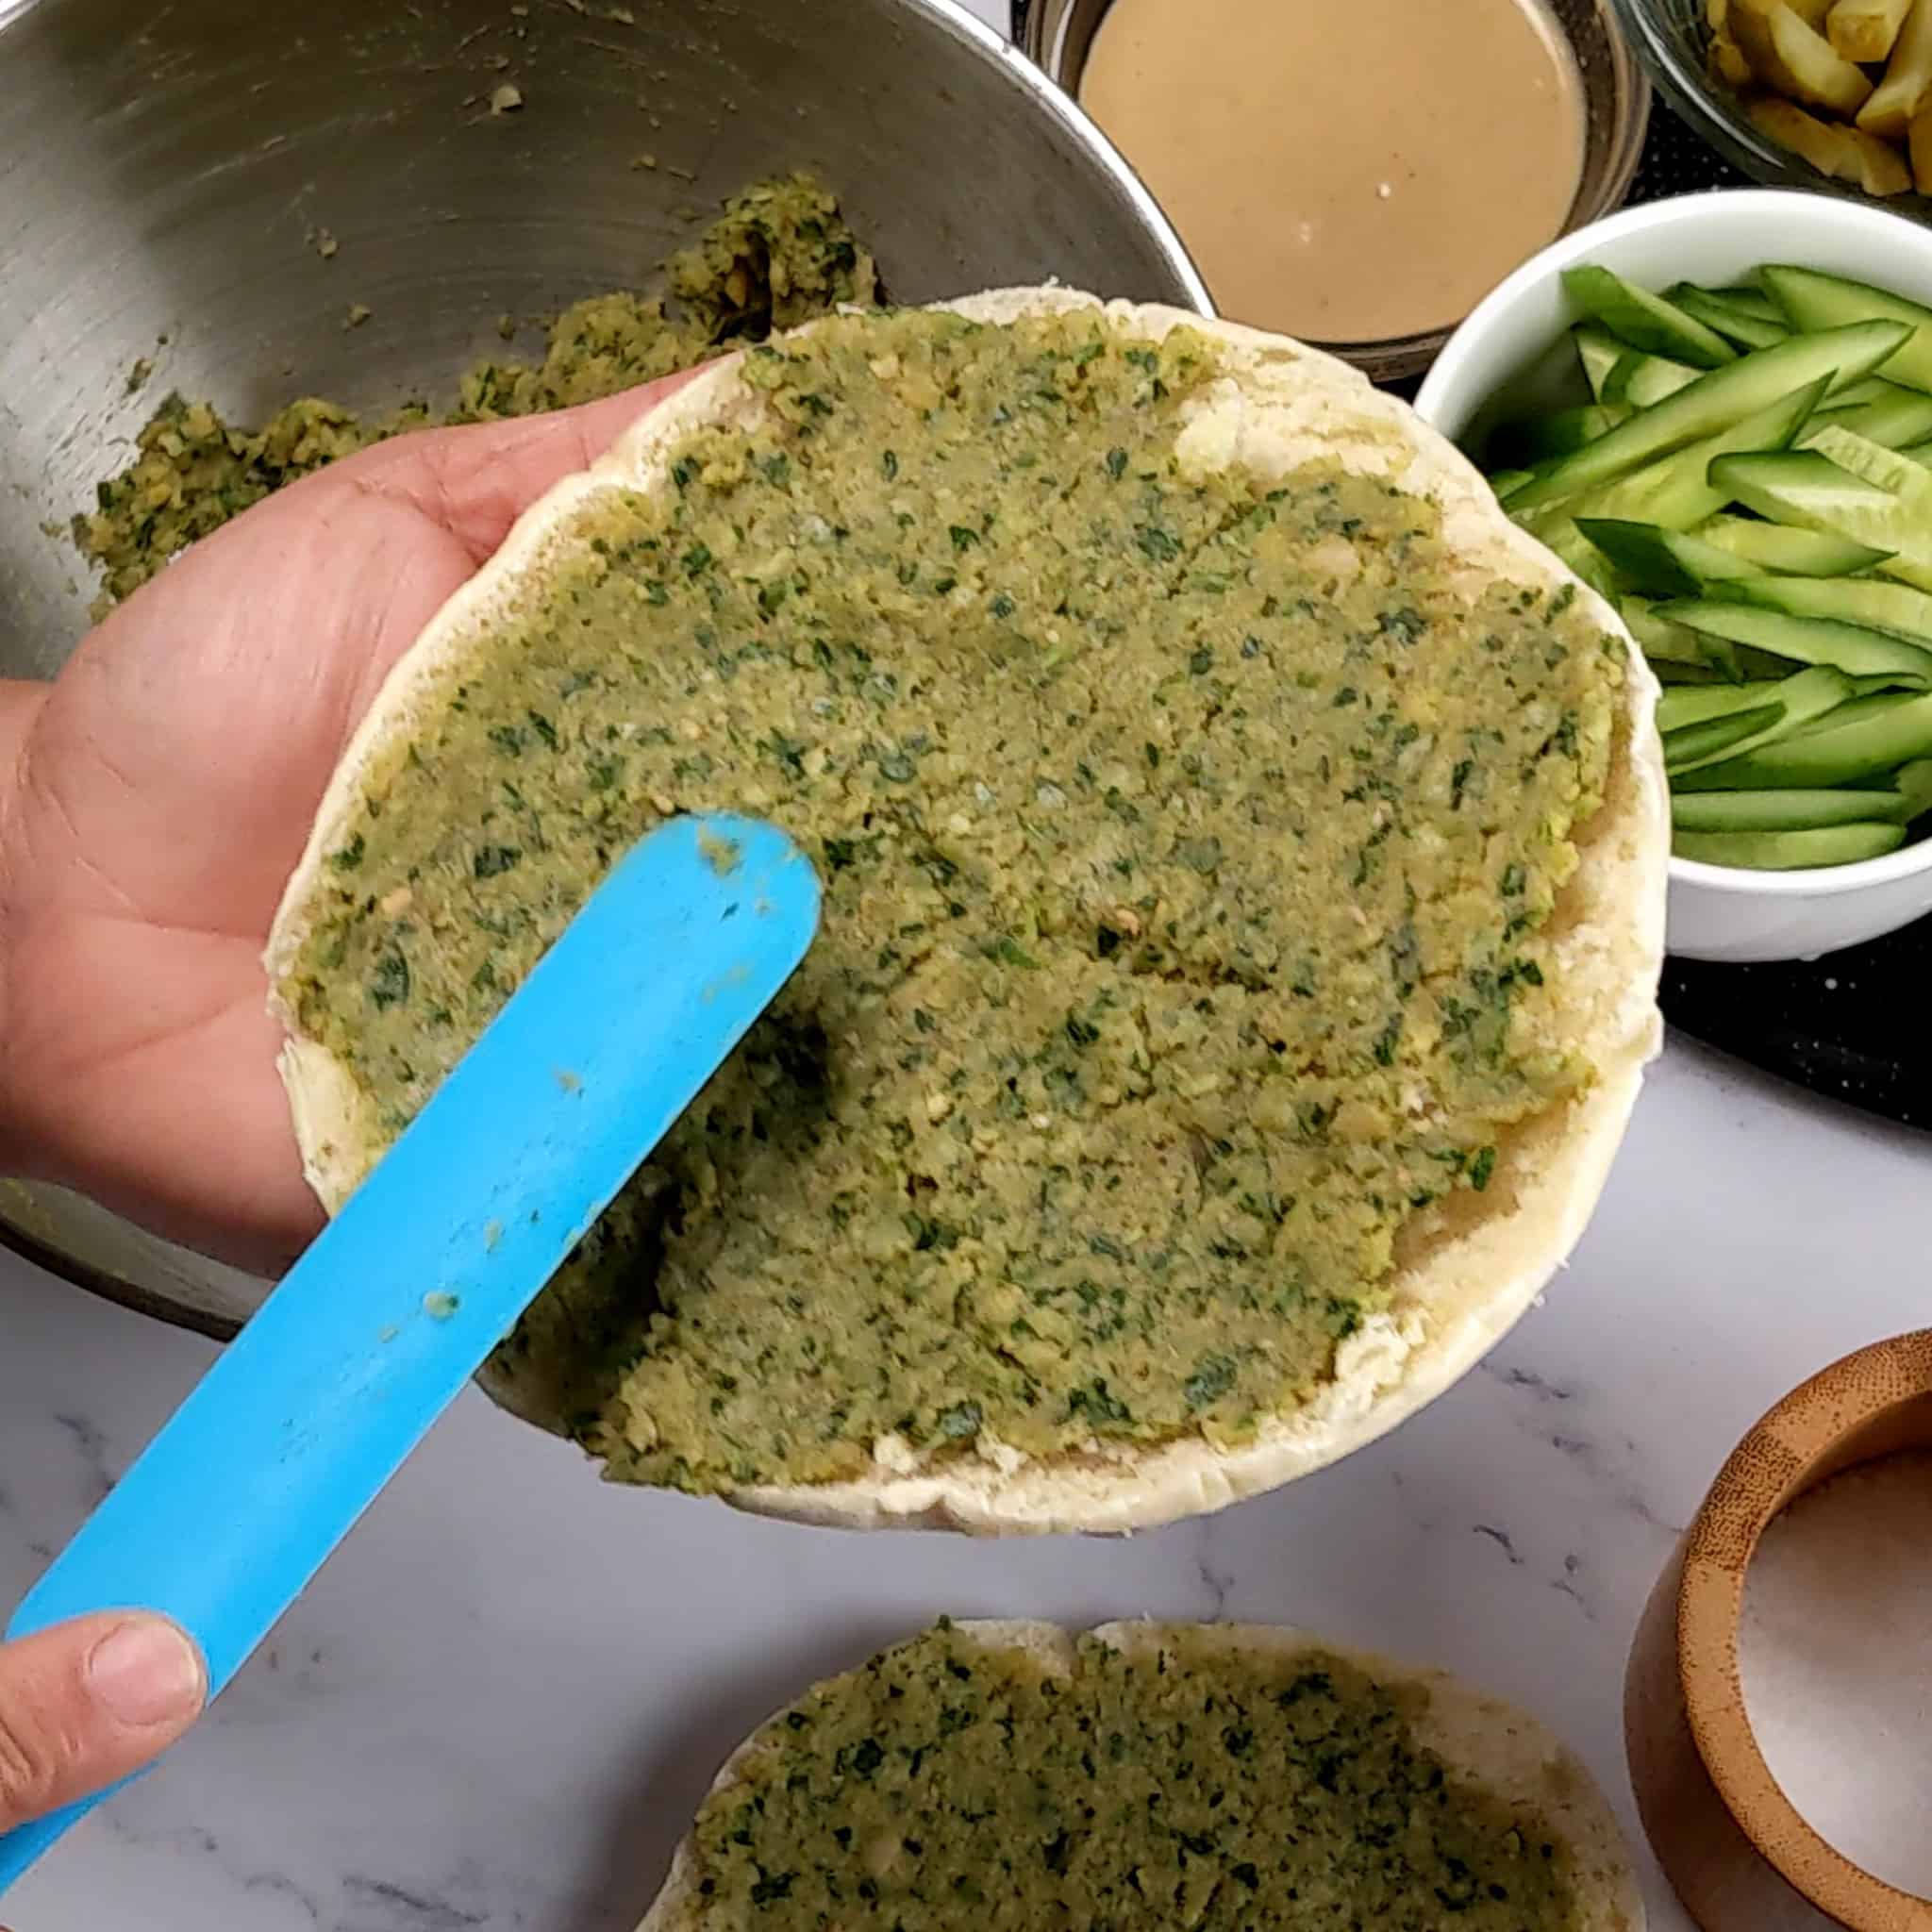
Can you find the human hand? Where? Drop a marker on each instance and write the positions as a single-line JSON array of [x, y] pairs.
[[85, 1703], [155, 798]]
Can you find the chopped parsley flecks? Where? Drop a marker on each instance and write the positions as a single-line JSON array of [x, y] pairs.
[[779, 255], [1186, 904], [950, 1786]]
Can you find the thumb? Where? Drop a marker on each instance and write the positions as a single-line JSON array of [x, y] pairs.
[[478, 480], [85, 1703]]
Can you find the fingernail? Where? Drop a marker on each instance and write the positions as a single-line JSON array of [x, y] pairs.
[[145, 1672]]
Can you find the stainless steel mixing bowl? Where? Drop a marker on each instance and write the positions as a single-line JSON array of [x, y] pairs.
[[169, 178]]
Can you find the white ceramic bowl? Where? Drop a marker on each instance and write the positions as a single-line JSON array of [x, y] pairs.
[[1716, 913]]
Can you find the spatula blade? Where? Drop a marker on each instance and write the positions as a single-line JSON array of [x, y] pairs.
[[288, 1439]]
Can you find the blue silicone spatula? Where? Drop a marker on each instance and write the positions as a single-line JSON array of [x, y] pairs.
[[235, 1504]]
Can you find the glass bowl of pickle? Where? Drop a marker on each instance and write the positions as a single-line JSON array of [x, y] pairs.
[[1832, 95]]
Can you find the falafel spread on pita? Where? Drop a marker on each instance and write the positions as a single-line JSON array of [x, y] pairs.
[[1242, 854]]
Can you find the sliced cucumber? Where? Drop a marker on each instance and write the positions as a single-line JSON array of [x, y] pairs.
[[1749, 458], [1848, 647], [1870, 601], [1788, 810], [1804, 851], [1739, 326], [1912, 781], [1799, 701], [1806, 488], [1856, 394], [1884, 469], [1898, 417], [1868, 738], [1659, 563], [1712, 738], [1813, 300], [1695, 703], [1875, 699], [1752, 301], [1675, 492], [1536, 439], [1583, 558], [1646, 322], [1720, 401], [1764, 664], [1639, 381], [1672, 644], [1599, 352], [1795, 552]]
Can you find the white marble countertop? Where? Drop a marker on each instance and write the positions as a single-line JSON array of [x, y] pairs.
[[501, 1701]]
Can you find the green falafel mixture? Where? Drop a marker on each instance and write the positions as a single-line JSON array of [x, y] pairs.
[[1189, 847], [780, 254], [948, 1784]]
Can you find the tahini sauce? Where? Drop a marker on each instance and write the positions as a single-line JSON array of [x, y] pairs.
[[1346, 171]]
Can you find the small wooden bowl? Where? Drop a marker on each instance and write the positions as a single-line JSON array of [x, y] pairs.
[[1738, 1856]]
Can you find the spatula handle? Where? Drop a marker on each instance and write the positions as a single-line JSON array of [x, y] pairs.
[[288, 1439]]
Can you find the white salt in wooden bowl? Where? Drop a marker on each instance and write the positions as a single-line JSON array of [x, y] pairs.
[[1735, 1848]]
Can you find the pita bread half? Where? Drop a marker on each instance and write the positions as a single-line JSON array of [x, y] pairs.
[[1481, 1739], [1275, 405]]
